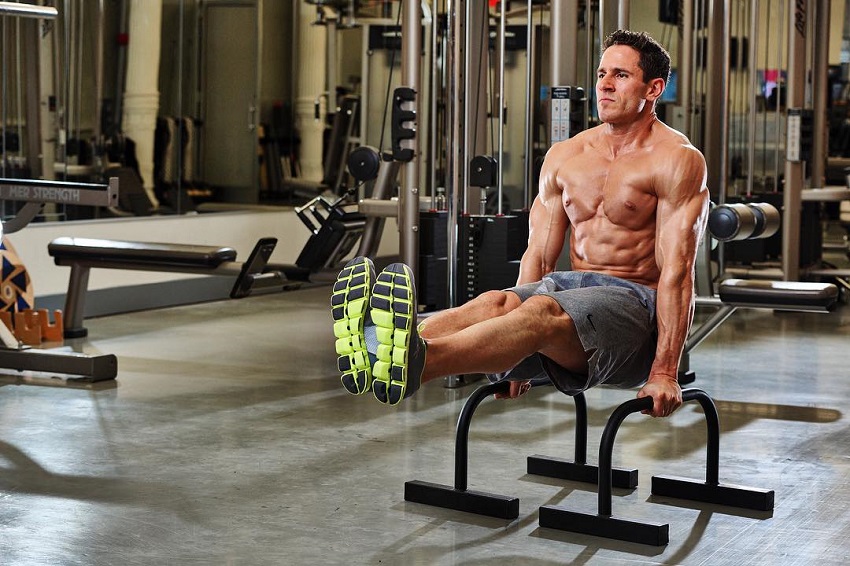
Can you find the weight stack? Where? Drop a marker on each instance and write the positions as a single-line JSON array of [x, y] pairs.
[[432, 280], [489, 252]]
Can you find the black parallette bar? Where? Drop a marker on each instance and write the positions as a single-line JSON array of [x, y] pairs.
[[653, 534], [462, 430], [581, 428], [560, 468], [606, 448], [447, 497], [722, 494]]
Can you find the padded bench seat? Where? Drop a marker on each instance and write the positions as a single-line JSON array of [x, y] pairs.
[[794, 295], [760, 294], [66, 251]]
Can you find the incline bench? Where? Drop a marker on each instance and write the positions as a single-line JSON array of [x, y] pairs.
[[82, 254]]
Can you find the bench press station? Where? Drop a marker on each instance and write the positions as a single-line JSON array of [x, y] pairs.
[[732, 295]]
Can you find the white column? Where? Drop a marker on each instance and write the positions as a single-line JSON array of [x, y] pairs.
[[141, 90], [311, 57]]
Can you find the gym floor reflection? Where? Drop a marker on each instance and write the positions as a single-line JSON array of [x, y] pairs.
[[227, 439]]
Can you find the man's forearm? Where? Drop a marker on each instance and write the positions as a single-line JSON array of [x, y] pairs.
[[533, 266], [674, 310]]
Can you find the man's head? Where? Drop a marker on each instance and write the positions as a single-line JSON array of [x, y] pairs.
[[631, 77], [654, 60]]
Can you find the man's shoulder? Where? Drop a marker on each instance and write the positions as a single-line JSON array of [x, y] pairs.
[[578, 142], [680, 163], [673, 139], [590, 135]]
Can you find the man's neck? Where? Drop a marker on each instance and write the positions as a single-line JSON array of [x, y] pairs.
[[625, 137]]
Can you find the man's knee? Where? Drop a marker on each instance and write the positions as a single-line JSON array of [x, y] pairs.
[[548, 310], [498, 302], [559, 339]]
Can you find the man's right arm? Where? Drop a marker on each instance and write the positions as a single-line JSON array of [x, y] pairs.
[[547, 230], [547, 225]]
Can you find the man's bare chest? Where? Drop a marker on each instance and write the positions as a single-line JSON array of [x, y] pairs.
[[620, 190]]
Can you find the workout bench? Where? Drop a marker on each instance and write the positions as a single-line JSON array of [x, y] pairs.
[[728, 223], [333, 225], [83, 254]]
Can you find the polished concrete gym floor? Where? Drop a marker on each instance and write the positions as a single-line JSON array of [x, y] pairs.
[[227, 439]]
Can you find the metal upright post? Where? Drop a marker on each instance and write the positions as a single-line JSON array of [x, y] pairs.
[[455, 105], [819, 87], [752, 122], [30, 31], [777, 112], [528, 143], [563, 45], [684, 86], [476, 65], [330, 61], [433, 159], [501, 110], [716, 105], [795, 98], [100, 40], [409, 198], [609, 13], [624, 14]]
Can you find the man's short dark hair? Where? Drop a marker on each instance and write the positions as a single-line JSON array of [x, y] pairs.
[[654, 60]]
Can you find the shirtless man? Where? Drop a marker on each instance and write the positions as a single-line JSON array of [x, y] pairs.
[[631, 194]]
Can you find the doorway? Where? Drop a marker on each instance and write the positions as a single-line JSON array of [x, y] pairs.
[[229, 62]]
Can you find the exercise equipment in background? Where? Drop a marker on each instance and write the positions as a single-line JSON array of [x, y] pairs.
[[13, 353]]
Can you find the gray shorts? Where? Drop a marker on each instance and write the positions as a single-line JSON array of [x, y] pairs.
[[615, 320]]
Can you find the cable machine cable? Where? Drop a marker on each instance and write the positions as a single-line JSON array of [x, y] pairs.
[[500, 169]]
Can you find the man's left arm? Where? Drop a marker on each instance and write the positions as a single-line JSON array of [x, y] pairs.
[[680, 222]]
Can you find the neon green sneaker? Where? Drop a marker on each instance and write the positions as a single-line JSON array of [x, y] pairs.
[[397, 373], [350, 308]]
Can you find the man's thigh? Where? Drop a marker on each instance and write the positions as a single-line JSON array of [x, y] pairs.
[[616, 330]]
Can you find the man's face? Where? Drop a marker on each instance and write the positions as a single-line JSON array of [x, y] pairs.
[[620, 89]]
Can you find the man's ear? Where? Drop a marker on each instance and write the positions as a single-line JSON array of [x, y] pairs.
[[655, 88]]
